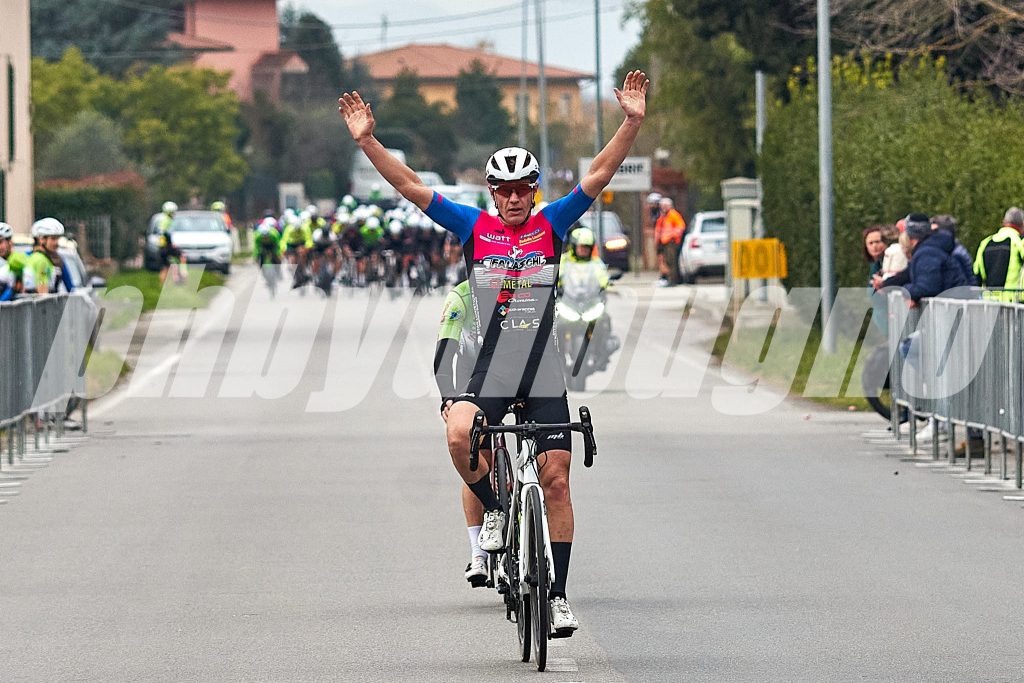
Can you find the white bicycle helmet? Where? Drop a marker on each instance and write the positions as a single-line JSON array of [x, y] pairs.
[[395, 227], [312, 210], [169, 207], [47, 227], [6, 231], [511, 164], [373, 222]]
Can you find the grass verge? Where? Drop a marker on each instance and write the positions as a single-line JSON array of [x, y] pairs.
[[102, 371], [747, 352], [183, 296]]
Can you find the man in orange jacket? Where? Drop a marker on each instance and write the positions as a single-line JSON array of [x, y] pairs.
[[668, 237]]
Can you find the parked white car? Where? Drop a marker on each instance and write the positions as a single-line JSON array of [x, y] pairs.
[[202, 237], [705, 246]]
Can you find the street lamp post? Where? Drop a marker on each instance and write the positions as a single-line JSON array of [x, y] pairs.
[[545, 156], [598, 116], [828, 340], [523, 101]]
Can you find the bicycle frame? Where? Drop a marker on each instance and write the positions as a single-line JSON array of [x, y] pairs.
[[527, 476]]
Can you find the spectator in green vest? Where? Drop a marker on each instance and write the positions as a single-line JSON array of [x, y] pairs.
[[1000, 257]]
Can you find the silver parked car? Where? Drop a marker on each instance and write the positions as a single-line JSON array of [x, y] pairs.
[[705, 245], [202, 237]]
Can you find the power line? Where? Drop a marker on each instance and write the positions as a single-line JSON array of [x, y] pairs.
[[180, 14], [368, 41]]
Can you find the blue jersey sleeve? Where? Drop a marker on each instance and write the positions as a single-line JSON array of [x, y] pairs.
[[567, 210], [454, 217]]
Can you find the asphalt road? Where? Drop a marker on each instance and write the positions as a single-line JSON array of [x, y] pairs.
[[214, 530]]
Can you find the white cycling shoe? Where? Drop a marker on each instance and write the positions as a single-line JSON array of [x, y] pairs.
[[563, 623], [492, 532], [476, 572]]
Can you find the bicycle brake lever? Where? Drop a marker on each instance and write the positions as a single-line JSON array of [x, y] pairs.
[[474, 440], [589, 444]]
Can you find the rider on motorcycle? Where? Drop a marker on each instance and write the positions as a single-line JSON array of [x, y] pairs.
[[581, 252], [581, 264]]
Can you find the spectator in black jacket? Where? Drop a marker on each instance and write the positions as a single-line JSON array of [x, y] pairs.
[[933, 268]]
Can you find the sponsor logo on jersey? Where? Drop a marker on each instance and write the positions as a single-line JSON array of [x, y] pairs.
[[504, 296], [496, 239], [522, 324], [503, 310], [511, 283], [531, 240], [515, 260]]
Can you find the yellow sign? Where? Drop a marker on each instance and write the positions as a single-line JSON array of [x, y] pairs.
[[758, 259]]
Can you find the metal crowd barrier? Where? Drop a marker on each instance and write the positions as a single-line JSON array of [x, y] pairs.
[[961, 363], [43, 341]]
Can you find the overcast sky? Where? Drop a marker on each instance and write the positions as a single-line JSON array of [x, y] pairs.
[[569, 40]]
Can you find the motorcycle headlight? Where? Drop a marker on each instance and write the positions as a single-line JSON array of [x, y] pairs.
[[593, 313], [566, 312]]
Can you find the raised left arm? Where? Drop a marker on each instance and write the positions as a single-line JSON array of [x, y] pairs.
[[633, 100]]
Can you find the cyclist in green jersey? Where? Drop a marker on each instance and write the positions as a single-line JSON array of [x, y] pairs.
[[39, 275], [454, 358], [266, 246], [8, 279]]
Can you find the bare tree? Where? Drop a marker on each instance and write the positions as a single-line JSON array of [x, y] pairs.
[[983, 40]]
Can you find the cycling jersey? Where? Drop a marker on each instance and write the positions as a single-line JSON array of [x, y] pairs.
[[7, 280], [266, 244], [371, 236], [296, 236], [512, 274], [39, 271], [457, 321]]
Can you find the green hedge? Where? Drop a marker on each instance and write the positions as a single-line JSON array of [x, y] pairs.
[[123, 198], [903, 140]]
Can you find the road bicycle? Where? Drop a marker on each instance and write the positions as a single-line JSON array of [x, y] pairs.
[[524, 570]]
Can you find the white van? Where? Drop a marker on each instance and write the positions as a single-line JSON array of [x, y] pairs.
[[367, 184]]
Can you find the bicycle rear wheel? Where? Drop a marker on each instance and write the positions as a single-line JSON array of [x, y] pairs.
[[538, 577]]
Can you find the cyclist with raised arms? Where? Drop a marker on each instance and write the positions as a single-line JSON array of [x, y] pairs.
[[512, 259]]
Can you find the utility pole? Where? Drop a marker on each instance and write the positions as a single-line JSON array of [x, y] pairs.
[[828, 339], [523, 96], [383, 30], [545, 155], [598, 119]]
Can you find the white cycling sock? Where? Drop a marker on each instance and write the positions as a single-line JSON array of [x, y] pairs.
[[474, 542]]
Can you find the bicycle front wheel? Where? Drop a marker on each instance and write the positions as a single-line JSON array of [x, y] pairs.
[[538, 577]]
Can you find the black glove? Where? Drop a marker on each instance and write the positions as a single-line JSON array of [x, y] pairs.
[[446, 402]]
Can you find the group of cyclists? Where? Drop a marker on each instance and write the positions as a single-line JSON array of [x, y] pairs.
[[42, 270], [359, 245]]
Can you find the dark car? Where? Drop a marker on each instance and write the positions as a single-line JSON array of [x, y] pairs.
[[615, 250]]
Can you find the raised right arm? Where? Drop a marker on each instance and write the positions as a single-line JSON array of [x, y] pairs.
[[359, 119]]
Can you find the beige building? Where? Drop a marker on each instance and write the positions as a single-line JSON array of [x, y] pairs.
[[16, 197], [439, 65]]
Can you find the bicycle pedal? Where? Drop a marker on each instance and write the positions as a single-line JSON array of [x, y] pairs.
[[562, 633]]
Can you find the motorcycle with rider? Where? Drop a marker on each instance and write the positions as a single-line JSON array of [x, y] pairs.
[[585, 334]]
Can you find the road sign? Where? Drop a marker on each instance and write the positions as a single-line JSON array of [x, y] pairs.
[[758, 259], [634, 174]]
